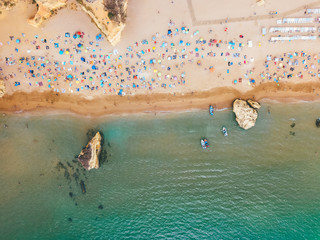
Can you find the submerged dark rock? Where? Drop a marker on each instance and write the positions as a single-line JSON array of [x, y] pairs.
[[292, 133], [100, 206], [293, 125], [318, 122], [83, 187], [70, 219]]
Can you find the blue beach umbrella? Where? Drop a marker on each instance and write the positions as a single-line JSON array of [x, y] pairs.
[[61, 52], [99, 37], [94, 67], [83, 59]]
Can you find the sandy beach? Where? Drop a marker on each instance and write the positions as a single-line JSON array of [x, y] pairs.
[[173, 55], [156, 103]]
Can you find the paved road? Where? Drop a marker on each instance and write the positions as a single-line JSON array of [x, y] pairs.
[[195, 22]]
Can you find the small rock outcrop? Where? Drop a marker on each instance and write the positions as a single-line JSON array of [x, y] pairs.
[[318, 122], [246, 113], [253, 104], [89, 156], [46, 8], [2, 88]]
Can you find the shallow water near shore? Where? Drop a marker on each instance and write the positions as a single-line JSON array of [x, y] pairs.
[[157, 182]]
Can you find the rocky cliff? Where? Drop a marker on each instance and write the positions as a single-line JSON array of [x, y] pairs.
[[46, 8], [89, 156], [108, 15], [7, 4], [2, 88], [246, 113]]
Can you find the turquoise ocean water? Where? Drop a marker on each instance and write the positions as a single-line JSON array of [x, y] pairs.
[[157, 182]]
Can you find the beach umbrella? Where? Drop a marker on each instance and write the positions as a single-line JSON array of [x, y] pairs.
[[99, 37], [61, 52], [18, 41], [196, 49], [119, 66], [169, 31], [94, 67], [159, 74], [83, 59]]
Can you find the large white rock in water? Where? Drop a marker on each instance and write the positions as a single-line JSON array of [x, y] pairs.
[[246, 114], [89, 156]]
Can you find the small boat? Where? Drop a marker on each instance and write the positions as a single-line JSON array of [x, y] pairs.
[[211, 110], [224, 131], [204, 143]]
